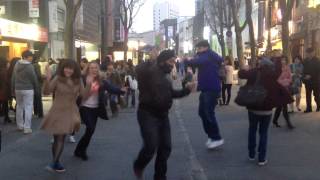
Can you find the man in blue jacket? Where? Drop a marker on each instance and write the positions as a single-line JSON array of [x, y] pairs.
[[208, 64]]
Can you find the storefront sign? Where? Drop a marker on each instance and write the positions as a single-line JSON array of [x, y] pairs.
[[34, 9], [11, 29]]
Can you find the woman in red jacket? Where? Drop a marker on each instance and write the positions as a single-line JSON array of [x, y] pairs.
[[260, 115]]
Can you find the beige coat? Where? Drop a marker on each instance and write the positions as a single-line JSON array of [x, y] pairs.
[[63, 116]]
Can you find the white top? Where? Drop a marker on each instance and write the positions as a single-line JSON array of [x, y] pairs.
[[92, 101], [229, 74]]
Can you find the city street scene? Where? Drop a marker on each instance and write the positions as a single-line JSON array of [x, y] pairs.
[[159, 89]]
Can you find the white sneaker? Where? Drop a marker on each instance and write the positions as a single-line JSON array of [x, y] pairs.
[[215, 144], [72, 139], [27, 131], [52, 140], [262, 163], [208, 142]]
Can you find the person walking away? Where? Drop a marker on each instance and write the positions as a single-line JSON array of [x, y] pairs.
[[93, 106], [296, 71], [284, 80], [227, 84], [155, 100], [260, 115], [25, 85], [311, 79], [38, 105], [187, 78], [63, 117], [4, 90], [10, 74], [113, 78], [209, 84]]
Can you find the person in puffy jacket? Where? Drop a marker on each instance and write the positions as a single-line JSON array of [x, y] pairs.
[[260, 115], [155, 100], [285, 80]]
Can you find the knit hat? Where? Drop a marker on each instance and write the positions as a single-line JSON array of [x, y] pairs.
[[165, 55]]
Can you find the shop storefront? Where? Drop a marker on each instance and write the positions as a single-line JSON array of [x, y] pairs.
[[16, 37], [87, 50]]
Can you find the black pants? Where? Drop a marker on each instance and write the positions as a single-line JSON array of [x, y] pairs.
[[89, 116], [284, 110], [315, 89], [226, 87], [156, 137], [4, 110]]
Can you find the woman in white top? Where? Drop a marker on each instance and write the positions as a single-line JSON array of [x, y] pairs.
[[227, 82]]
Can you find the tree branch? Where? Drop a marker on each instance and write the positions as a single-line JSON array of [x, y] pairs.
[[243, 26]]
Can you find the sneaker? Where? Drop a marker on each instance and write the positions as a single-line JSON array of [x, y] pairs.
[[72, 139], [208, 142], [262, 163], [81, 155], [20, 129], [251, 158], [52, 140], [56, 167], [27, 131], [215, 144]]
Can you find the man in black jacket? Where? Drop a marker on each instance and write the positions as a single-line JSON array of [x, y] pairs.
[[155, 100], [311, 78]]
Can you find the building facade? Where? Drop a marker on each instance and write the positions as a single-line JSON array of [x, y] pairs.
[[162, 11], [23, 25]]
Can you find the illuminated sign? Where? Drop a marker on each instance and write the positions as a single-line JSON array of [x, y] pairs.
[[11, 29]]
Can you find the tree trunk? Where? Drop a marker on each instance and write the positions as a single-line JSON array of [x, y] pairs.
[[125, 42], [222, 42], [251, 32], [69, 31], [285, 37], [238, 32]]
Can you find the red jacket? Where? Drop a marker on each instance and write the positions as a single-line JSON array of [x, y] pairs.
[[277, 95]]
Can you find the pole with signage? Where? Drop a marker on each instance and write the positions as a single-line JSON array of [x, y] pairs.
[[34, 8]]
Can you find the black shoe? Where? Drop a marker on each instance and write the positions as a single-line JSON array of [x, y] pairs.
[[138, 173], [291, 127], [307, 111], [7, 120], [81, 155], [276, 125]]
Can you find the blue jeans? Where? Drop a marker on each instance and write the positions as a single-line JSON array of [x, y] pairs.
[[263, 122], [208, 102]]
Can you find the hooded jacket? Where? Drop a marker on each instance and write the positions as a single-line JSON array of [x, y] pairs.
[[208, 64], [24, 76]]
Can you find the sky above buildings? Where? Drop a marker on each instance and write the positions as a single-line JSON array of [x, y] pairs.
[[144, 20]]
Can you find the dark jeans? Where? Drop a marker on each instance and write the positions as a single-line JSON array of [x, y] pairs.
[[277, 113], [309, 89], [226, 87], [89, 117], [156, 137], [131, 93], [114, 104], [208, 102], [261, 121]]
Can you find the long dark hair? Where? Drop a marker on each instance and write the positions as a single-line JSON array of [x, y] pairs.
[[72, 64], [229, 60], [3, 72]]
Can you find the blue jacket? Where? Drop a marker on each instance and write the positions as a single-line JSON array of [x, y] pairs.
[[208, 64]]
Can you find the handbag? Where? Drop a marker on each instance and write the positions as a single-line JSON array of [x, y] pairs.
[[251, 94]]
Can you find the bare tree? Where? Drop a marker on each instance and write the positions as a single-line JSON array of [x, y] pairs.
[[215, 19], [286, 9], [129, 10], [251, 31], [72, 7], [235, 6]]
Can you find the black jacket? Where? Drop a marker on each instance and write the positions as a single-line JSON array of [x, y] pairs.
[[312, 67], [155, 89]]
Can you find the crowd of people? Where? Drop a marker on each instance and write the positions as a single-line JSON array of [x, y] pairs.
[[82, 91]]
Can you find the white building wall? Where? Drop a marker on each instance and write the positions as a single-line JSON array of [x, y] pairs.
[[162, 11]]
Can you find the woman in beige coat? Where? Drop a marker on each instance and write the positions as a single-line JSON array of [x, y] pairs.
[[63, 118]]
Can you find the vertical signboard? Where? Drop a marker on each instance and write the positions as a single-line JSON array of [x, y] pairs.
[[34, 8], [53, 16]]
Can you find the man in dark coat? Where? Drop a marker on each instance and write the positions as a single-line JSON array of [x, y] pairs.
[[155, 100], [311, 79]]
